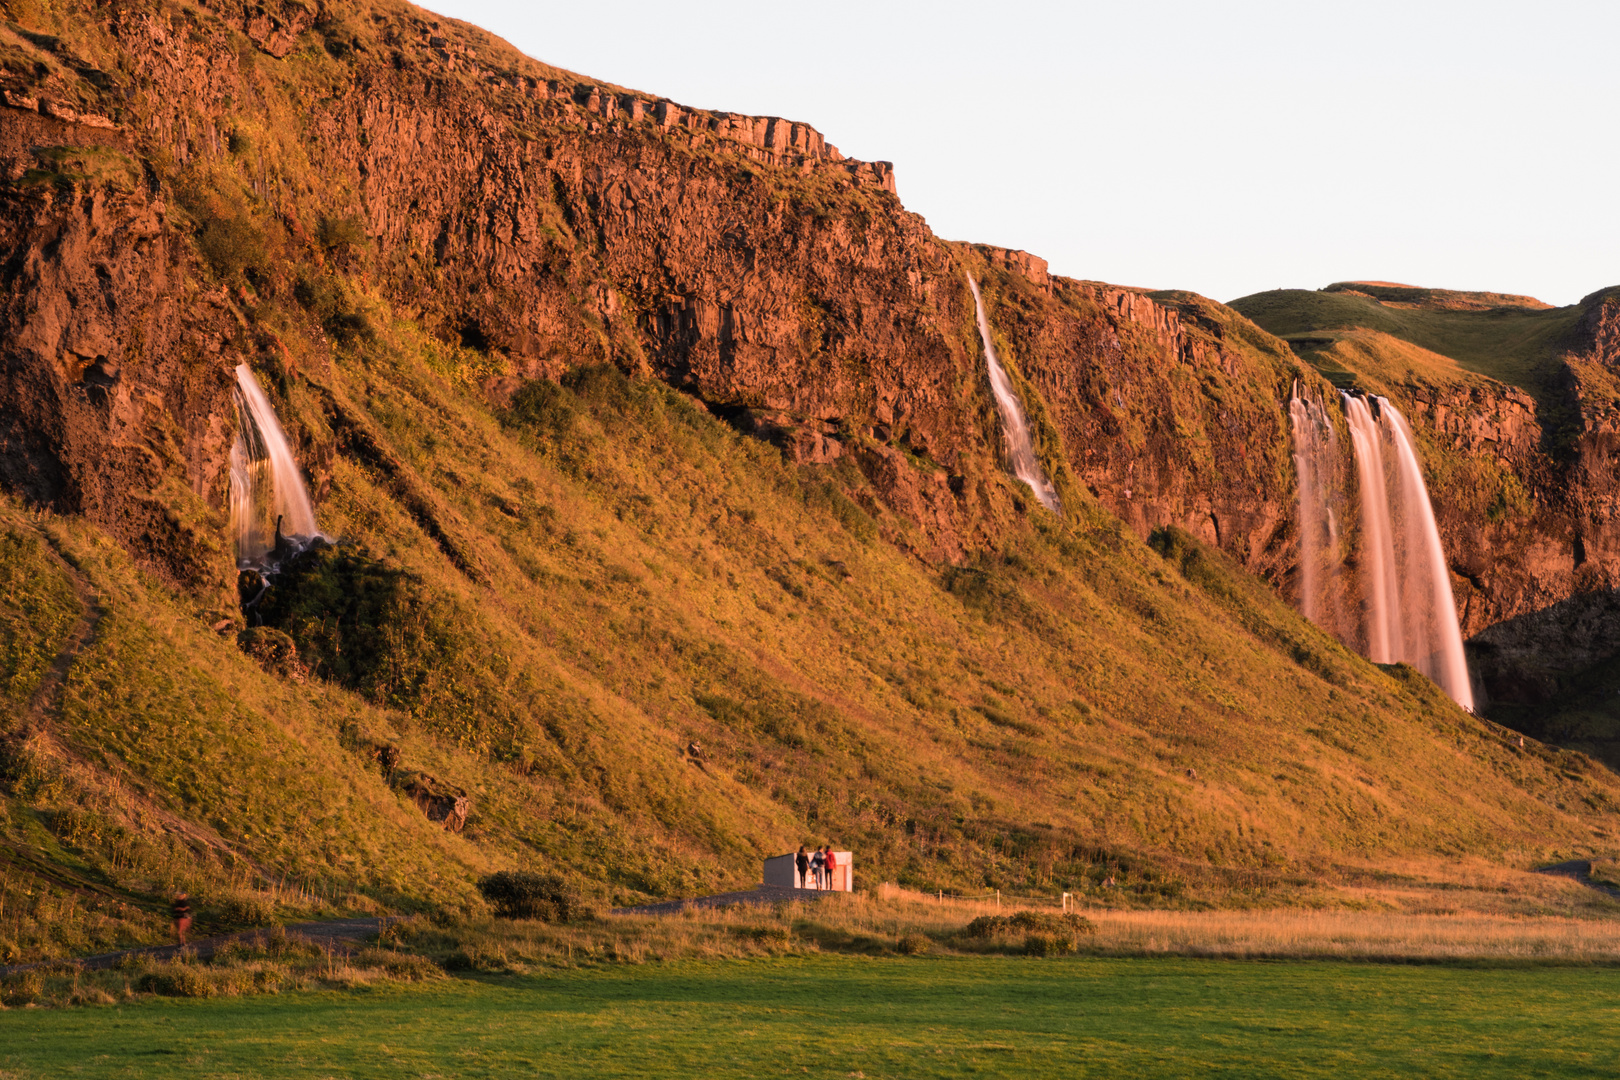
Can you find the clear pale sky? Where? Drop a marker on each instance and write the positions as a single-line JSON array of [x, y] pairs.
[[1221, 147]]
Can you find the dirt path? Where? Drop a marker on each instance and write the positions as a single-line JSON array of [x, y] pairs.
[[759, 894], [336, 934], [1580, 870]]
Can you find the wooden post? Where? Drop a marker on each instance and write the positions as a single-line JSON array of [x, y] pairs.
[[998, 899]]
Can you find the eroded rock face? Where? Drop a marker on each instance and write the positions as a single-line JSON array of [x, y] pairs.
[[114, 397]]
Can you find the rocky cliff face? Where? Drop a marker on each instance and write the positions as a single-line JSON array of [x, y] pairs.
[[553, 221], [114, 374]]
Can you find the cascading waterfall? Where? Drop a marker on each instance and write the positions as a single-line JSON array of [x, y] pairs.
[[1380, 587], [1407, 611], [270, 506], [1316, 459], [1429, 610], [1020, 447]]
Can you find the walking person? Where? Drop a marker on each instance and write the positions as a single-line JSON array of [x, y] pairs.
[[802, 861], [181, 909], [818, 862], [831, 868]]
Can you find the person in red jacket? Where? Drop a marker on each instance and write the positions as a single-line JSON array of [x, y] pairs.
[[832, 868], [181, 910]]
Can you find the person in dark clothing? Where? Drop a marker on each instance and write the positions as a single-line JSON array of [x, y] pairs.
[[182, 916], [802, 861]]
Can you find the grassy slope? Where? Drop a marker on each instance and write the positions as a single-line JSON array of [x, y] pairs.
[[875, 1018], [1072, 703], [1515, 345]]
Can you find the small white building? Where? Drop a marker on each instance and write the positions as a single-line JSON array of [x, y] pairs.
[[783, 872]]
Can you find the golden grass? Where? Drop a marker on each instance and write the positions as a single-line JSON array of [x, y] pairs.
[[1355, 935], [1480, 914]]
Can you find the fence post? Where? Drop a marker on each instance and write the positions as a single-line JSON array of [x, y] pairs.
[[998, 899]]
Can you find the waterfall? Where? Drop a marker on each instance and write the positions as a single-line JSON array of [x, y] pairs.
[[269, 504], [1407, 610], [1429, 611], [1020, 448], [1385, 641], [1321, 561]]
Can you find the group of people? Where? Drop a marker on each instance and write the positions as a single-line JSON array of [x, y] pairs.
[[816, 868]]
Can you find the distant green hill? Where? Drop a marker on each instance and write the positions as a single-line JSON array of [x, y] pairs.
[[1516, 341]]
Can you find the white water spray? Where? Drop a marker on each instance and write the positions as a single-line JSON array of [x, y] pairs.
[[1020, 447], [1380, 586], [1429, 611], [1408, 612], [268, 497]]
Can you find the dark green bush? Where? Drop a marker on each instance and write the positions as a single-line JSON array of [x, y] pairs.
[[544, 408], [232, 243], [1067, 925], [325, 297], [914, 945], [1045, 944], [518, 894]]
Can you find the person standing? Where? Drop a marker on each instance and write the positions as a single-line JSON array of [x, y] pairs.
[[818, 863], [832, 868], [181, 909], [802, 861]]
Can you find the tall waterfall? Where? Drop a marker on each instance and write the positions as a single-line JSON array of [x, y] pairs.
[[1321, 556], [1020, 448], [1385, 642], [1429, 611], [268, 497], [1407, 611]]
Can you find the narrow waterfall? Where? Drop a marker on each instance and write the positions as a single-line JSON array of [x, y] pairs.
[[1321, 559], [1020, 448], [270, 506], [1407, 611]]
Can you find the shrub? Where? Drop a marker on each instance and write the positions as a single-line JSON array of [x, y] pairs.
[[340, 232], [22, 988], [246, 909], [275, 652], [1067, 925], [518, 894], [232, 243], [325, 297], [400, 967], [1047, 944], [544, 408], [914, 945]]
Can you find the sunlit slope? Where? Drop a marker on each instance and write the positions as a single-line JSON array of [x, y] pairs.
[[1512, 343], [600, 576]]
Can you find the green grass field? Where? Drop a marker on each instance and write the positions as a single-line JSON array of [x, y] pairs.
[[869, 1018]]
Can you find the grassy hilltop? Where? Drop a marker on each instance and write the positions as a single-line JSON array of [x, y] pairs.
[[649, 646]]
